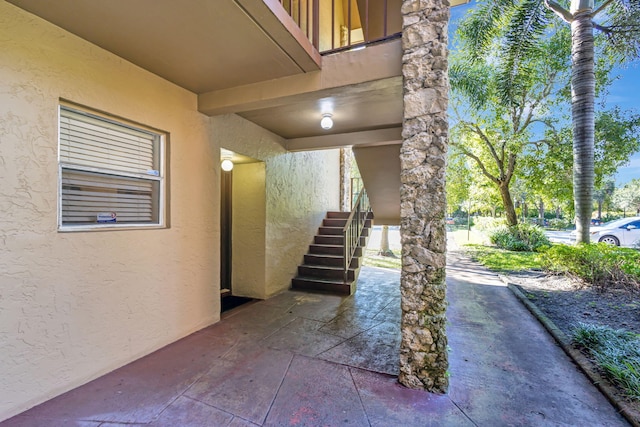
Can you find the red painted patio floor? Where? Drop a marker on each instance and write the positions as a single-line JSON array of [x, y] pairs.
[[302, 359]]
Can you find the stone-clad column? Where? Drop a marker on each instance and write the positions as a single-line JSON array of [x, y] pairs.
[[423, 352]]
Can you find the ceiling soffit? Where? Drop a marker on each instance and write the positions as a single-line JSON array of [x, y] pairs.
[[361, 89], [214, 48], [201, 45]]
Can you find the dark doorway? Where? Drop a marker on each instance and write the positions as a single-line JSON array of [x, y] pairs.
[[227, 299], [225, 232]]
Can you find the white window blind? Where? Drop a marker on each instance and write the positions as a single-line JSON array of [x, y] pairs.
[[108, 169], [85, 195], [88, 141]]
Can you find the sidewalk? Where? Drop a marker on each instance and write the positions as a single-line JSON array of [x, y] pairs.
[[303, 359]]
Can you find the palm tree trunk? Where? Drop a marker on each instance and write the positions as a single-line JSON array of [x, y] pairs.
[[384, 243], [583, 95]]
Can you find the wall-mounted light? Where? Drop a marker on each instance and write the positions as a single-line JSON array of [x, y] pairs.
[[226, 165], [326, 122]]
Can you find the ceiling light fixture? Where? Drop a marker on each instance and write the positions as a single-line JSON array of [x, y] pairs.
[[226, 165], [326, 122]]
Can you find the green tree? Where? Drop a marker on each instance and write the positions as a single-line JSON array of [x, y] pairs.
[[627, 197], [602, 193], [495, 135], [465, 187], [458, 180], [617, 137], [527, 24], [548, 168]]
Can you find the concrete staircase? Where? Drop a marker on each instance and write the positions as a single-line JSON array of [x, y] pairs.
[[323, 264]]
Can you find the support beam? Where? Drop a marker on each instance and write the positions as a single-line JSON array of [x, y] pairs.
[[325, 142], [375, 63], [423, 348]]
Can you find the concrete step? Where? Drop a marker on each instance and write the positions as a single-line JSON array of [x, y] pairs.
[[335, 240], [329, 260], [324, 272], [324, 285], [331, 231], [328, 240], [323, 265], [331, 250], [334, 222], [343, 215], [326, 249]]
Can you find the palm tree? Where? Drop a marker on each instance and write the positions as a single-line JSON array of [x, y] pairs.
[[528, 20]]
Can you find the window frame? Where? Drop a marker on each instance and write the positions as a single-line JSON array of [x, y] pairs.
[[160, 137]]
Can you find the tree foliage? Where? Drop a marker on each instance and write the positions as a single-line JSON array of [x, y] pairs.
[[522, 26], [627, 197], [617, 137], [496, 136], [506, 42], [548, 168]]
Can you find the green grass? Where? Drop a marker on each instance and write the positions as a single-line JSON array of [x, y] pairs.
[[463, 237], [371, 259], [502, 260], [615, 351]]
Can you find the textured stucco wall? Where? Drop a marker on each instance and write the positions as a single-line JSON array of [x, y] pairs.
[[300, 188], [248, 230], [76, 305]]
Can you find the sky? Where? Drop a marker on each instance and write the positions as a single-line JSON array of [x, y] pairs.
[[624, 92]]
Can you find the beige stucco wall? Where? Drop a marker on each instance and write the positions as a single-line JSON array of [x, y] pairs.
[[299, 189], [249, 218], [76, 305]]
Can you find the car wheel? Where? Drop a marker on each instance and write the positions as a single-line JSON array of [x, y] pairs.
[[610, 240]]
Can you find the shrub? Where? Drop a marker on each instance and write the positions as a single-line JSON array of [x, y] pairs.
[[599, 264], [610, 217], [521, 237], [559, 223], [617, 352], [488, 223], [462, 220]]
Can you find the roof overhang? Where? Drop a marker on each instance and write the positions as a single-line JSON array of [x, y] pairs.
[[201, 45]]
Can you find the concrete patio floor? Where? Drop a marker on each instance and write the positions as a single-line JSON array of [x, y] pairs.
[[302, 359]]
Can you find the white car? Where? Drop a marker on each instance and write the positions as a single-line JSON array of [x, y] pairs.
[[621, 232]]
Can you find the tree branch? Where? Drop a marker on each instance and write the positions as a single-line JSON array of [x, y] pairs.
[[539, 142], [605, 30], [492, 149], [537, 101], [601, 8], [563, 13], [510, 168], [478, 161]]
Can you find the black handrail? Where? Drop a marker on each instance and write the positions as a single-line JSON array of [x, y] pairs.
[[352, 230]]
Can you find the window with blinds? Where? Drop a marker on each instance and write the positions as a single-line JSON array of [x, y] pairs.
[[111, 172]]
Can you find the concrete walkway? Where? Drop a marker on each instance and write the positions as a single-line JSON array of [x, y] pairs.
[[303, 359]]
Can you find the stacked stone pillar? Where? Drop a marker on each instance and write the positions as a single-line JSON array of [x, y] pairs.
[[423, 350]]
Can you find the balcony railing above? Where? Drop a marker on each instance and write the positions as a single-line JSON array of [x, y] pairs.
[[334, 25]]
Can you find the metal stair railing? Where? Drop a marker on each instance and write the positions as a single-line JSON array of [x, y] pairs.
[[352, 230]]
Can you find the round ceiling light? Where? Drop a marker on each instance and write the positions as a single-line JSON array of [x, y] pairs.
[[326, 122], [226, 165]]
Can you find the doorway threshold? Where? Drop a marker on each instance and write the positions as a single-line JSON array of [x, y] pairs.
[[229, 302]]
